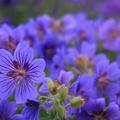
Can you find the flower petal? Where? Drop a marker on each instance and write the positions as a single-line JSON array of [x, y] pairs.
[[65, 77], [113, 112], [23, 54], [7, 86], [5, 61], [114, 71], [25, 90], [5, 108], [36, 71]]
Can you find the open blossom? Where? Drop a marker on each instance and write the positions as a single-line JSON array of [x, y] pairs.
[[8, 38], [7, 111], [19, 72], [48, 47], [106, 79], [109, 34], [97, 110]]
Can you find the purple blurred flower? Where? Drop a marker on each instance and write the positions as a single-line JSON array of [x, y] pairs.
[[82, 59], [31, 110], [85, 52], [65, 77], [83, 34], [106, 78], [83, 87], [109, 34], [48, 47], [97, 110], [58, 64], [8, 38], [7, 111], [45, 21], [30, 34], [19, 72]]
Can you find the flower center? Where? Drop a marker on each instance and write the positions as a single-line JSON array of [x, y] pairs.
[[84, 64], [19, 72], [49, 51], [83, 35], [103, 81], [57, 25], [114, 33], [99, 117]]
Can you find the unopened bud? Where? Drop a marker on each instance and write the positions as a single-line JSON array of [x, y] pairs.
[[77, 102], [63, 93], [51, 85]]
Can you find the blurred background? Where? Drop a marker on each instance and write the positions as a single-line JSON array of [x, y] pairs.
[[19, 11]]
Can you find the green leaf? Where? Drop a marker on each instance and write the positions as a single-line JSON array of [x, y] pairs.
[[43, 114], [19, 110], [51, 85], [111, 55]]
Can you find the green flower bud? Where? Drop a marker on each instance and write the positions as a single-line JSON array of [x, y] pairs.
[[51, 85], [63, 93], [77, 102], [90, 72]]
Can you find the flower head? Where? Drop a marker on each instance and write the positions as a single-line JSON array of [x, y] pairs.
[[97, 110], [106, 78], [7, 111], [18, 72]]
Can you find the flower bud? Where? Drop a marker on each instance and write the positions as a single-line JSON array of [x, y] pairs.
[[63, 93], [77, 102], [51, 85]]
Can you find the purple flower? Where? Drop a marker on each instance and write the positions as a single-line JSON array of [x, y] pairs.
[[65, 77], [49, 46], [57, 65], [64, 27], [106, 78], [83, 34], [83, 86], [31, 110], [109, 34], [97, 110], [19, 72], [8, 38], [88, 49], [7, 111], [45, 21], [85, 52], [44, 89], [117, 97], [29, 34], [82, 60]]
